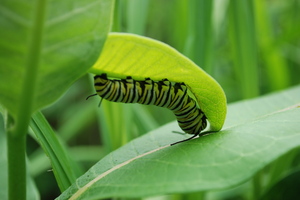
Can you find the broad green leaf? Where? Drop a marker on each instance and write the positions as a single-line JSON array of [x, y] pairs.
[[32, 191], [140, 57], [258, 132], [61, 39], [248, 110]]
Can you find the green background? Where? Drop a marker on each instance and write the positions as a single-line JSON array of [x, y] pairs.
[[250, 47]]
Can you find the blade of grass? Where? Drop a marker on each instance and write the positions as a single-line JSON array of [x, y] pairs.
[[136, 16], [242, 37], [178, 24], [275, 64], [201, 33], [290, 23], [117, 19], [65, 169], [38, 163]]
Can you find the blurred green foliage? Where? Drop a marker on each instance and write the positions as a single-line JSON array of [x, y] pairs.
[[249, 47]]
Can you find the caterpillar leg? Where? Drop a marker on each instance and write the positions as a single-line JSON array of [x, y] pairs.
[[100, 102], [92, 96], [195, 135]]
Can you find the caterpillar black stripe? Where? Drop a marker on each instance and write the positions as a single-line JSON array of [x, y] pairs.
[[163, 93]]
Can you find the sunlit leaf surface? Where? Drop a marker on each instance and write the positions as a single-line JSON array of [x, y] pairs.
[[140, 57]]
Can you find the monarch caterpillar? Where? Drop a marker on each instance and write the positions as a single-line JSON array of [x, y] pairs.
[[163, 93]]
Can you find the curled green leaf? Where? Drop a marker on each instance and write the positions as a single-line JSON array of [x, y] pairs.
[[140, 57]]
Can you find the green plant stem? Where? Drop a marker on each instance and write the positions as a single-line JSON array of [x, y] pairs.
[[16, 167], [16, 163], [17, 130]]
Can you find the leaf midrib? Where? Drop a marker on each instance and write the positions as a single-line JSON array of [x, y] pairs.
[[81, 190]]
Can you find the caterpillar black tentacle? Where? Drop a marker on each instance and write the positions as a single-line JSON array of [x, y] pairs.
[[164, 93], [90, 96]]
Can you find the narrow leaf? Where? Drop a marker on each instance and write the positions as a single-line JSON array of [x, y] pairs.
[[64, 167], [243, 44]]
